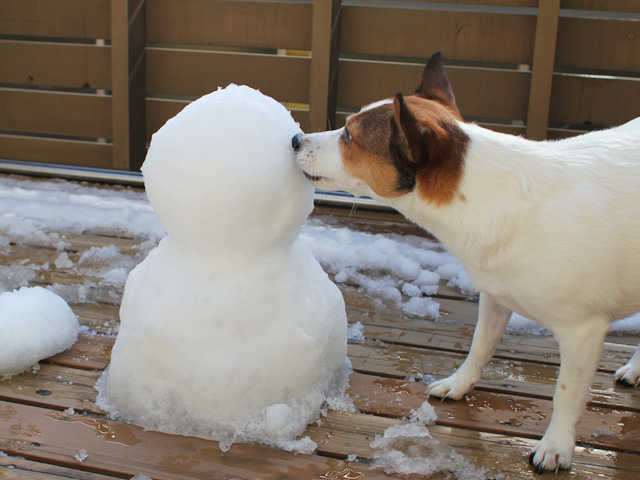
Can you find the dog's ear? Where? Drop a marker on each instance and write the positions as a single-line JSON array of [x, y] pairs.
[[435, 84], [414, 133]]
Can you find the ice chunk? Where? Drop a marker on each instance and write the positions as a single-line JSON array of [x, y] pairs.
[[34, 324]]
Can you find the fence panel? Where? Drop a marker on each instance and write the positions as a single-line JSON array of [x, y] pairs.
[[56, 18], [55, 74], [88, 82]]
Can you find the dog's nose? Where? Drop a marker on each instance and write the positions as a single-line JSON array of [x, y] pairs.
[[296, 141]]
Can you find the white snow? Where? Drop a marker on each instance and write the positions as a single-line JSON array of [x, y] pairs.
[[230, 329], [81, 456], [34, 324], [49, 210], [409, 448]]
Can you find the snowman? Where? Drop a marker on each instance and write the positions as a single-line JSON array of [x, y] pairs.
[[230, 329]]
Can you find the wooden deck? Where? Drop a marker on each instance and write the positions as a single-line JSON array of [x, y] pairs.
[[493, 427]]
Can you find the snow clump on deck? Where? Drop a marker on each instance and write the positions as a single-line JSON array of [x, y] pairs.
[[230, 328], [34, 324], [409, 448]]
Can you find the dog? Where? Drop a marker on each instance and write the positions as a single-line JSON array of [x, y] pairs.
[[549, 230]]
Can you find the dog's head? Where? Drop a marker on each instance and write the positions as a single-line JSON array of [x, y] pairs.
[[394, 146]]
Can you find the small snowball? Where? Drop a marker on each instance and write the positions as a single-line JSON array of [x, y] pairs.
[[303, 445], [34, 324], [355, 332], [422, 307], [425, 413], [63, 261], [82, 455], [411, 290]]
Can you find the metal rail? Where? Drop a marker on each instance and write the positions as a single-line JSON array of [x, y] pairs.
[[134, 179]]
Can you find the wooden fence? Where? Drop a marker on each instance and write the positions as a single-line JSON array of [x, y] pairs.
[[86, 82]]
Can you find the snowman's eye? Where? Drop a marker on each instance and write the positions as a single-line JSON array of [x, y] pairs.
[[346, 136]]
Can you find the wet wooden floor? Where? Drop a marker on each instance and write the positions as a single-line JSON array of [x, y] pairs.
[[51, 429]]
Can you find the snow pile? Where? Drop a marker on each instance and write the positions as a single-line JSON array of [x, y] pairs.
[[391, 267], [34, 324], [409, 448], [230, 329]]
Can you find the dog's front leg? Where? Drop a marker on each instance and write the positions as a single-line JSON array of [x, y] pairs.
[[492, 320], [580, 352]]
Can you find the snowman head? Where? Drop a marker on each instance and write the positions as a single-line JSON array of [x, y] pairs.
[[220, 175]]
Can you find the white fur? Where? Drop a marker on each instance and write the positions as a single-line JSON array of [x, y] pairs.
[[550, 230]]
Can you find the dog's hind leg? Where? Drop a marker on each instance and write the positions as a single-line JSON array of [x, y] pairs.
[[629, 375], [492, 320], [580, 351]]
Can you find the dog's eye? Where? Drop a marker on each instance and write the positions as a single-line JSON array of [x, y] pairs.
[[346, 136]]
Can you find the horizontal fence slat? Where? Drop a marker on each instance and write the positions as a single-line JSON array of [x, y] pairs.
[[600, 44], [590, 100], [59, 18], [50, 150], [55, 64], [460, 35], [479, 92], [632, 6], [196, 73], [161, 110], [55, 113], [248, 24], [484, 3]]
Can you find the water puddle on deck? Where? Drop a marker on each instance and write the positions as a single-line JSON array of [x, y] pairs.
[[111, 432], [347, 473]]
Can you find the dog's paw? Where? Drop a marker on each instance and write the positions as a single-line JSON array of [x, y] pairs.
[[450, 388], [552, 454], [628, 375]]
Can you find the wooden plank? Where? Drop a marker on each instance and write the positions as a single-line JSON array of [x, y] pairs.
[[324, 60], [16, 468], [415, 332], [542, 75], [495, 413], [117, 449], [632, 6], [62, 18], [479, 92], [90, 352], [590, 100], [418, 32], [54, 386], [339, 433], [52, 150], [55, 113], [246, 24], [343, 433], [196, 73], [128, 82], [598, 44], [501, 376], [55, 64]]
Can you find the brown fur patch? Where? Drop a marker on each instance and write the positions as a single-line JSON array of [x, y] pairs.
[[380, 155]]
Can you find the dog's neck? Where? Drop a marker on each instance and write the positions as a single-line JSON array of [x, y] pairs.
[[501, 181]]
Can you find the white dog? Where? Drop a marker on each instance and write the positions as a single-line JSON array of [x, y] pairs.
[[550, 230]]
